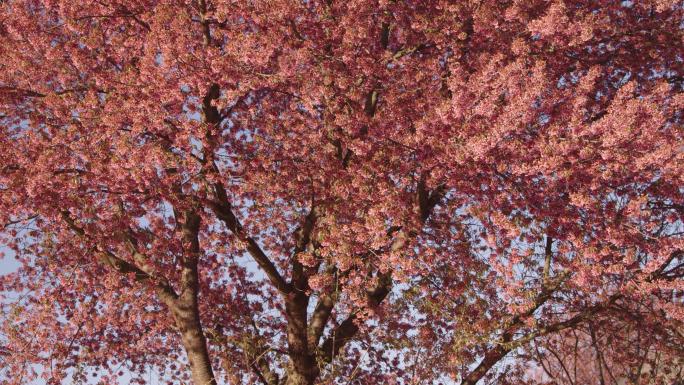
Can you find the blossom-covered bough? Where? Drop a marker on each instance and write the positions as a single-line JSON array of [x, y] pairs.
[[329, 192]]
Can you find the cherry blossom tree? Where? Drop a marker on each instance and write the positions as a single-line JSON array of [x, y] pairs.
[[328, 192], [610, 351]]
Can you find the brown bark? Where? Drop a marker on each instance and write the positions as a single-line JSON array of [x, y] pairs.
[[186, 309], [303, 369], [348, 329], [195, 344], [319, 319], [491, 358], [184, 306]]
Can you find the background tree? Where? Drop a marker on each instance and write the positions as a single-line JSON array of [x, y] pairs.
[[323, 192], [609, 352]]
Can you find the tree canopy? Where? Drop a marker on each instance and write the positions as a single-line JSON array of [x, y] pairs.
[[342, 192]]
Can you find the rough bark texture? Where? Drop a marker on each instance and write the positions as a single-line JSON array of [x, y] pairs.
[[303, 369], [195, 345], [186, 309]]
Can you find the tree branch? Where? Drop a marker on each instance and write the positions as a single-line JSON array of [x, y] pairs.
[[302, 238], [345, 331], [224, 212], [143, 272], [427, 200], [255, 354], [502, 348], [548, 256], [319, 319], [223, 208]]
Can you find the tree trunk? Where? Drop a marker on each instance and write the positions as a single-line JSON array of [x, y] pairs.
[[303, 369], [195, 346], [186, 309], [296, 378]]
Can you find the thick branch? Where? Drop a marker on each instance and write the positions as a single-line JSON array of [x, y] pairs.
[[501, 349], [222, 207], [541, 298], [255, 352], [211, 113], [302, 361], [224, 213], [302, 238], [427, 200], [548, 256], [191, 254], [496, 353], [346, 331], [141, 268], [34, 94], [319, 319], [206, 31]]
